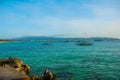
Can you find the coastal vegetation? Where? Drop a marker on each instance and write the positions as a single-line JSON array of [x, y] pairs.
[[4, 40]]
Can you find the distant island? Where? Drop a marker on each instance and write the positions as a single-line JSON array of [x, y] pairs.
[[46, 38]]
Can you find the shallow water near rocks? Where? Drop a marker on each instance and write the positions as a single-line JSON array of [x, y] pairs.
[[100, 61]]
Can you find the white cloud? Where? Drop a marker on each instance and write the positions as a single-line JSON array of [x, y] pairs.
[[81, 27], [68, 18]]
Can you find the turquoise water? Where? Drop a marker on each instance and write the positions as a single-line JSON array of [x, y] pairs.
[[100, 61]]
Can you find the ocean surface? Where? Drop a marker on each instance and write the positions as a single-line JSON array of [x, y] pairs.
[[100, 61]]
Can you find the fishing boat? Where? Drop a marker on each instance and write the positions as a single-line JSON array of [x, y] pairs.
[[84, 43], [47, 43], [98, 40]]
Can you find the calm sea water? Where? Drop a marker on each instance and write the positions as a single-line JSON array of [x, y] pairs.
[[100, 61]]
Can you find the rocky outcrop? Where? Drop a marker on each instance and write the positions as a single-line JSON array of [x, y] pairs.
[[15, 69]]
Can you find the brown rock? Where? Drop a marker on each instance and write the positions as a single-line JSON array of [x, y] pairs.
[[35, 77], [15, 63], [25, 68], [9, 73], [48, 75], [14, 69]]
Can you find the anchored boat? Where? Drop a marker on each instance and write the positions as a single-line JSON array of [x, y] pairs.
[[85, 43]]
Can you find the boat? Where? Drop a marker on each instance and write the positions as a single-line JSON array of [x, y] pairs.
[[47, 43], [84, 43], [98, 40]]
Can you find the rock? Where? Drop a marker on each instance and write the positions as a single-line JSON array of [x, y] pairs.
[[9, 73], [35, 77], [25, 68], [15, 69], [48, 75], [16, 64]]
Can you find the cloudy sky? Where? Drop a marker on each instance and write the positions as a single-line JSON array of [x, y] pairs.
[[63, 18]]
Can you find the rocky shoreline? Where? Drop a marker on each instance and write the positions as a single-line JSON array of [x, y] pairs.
[[15, 69]]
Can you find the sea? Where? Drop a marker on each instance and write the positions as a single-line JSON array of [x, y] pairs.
[[100, 61]]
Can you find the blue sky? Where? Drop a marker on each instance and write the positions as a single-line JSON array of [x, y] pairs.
[[62, 18]]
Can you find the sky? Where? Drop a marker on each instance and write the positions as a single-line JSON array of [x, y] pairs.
[[60, 18]]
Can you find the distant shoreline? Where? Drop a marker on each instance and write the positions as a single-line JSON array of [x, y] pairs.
[[54, 39], [2, 41]]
